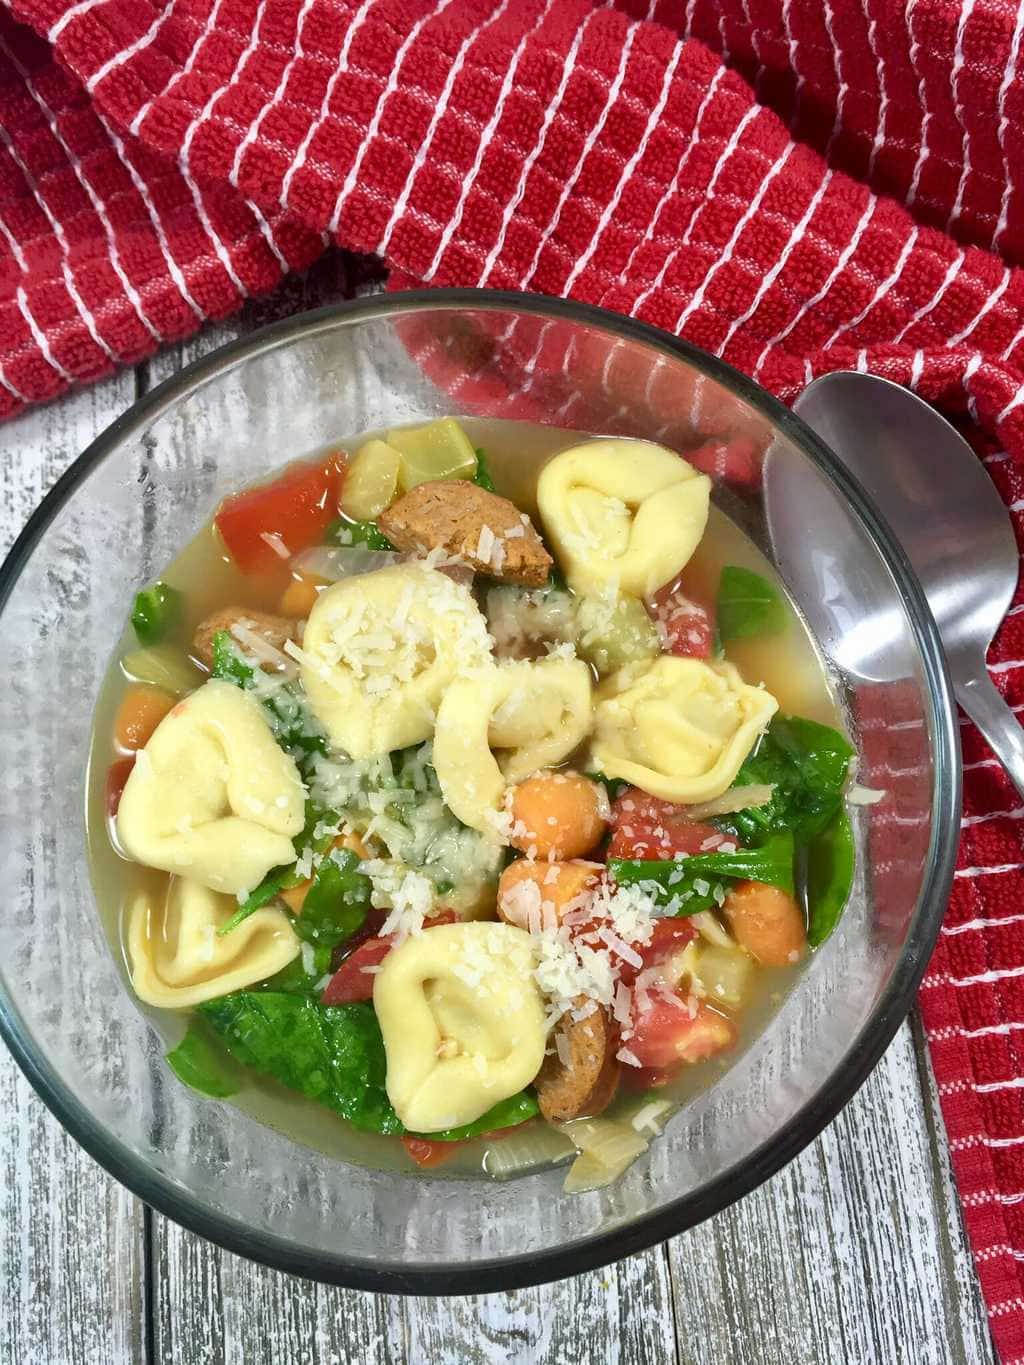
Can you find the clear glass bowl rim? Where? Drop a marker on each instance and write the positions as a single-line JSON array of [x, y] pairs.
[[892, 1006]]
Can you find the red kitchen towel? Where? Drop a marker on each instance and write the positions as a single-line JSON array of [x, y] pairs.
[[796, 185]]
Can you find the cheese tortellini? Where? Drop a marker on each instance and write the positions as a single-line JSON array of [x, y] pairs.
[[213, 796], [177, 959], [379, 651], [534, 713], [680, 729], [625, 515], [462, 1020]]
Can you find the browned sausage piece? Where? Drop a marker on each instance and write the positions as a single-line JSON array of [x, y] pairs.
[[587, 1085], [487, 531], [274, 629]]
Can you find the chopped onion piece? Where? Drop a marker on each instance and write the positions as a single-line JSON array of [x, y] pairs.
[[607, 1148], [865, 796], [725, 975], [708, 926], [736, 798], [343, 561], [538, 1145], [646, 1118]]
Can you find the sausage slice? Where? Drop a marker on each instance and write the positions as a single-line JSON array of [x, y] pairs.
[[486, 530], [587, 1084], [276, 630]]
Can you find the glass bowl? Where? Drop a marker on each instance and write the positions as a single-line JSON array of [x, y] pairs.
[[147, 485]]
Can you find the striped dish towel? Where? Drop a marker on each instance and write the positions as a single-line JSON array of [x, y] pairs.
[[796, 185]]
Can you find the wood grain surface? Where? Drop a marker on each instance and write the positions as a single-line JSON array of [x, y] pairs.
[[853, 1253]]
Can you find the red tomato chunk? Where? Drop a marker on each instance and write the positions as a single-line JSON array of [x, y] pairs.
[[117, 776], [426, 1153], [665, 1035], [646, 827], [264, 527], [354, 978]]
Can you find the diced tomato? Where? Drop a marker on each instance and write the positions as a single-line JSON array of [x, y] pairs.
[[442, 916], [426, 1153], [352, 981], [670, 934], [685, 627], [737, 462], [117, 776], [664, 1034], [646, 827], [263, 527]]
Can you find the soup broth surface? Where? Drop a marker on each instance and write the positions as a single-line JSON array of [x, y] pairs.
[[787, 663]]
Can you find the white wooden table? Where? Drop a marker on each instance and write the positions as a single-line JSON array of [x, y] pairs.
[[855, 1252]]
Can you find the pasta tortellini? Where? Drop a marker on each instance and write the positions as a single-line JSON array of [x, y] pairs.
[[212, 796], [624, 515], [379, 651], [177, 959], [533, 713], [680, 728], [462, 1020]]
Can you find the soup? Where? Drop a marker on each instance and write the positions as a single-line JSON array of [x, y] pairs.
[[470, 802]]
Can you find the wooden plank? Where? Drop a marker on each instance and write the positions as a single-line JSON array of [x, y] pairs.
[[72, 1241], [621, 1313], [849, 1254]]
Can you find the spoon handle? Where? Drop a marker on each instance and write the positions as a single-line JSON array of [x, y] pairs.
[[985, 705]]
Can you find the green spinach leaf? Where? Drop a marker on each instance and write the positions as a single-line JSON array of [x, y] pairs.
[[830, 861], [296, 980], [747, 605], [614, 786], [336, 904], [807, 764], [505, 1114], [156, 611], [294, 725], [201, 1062], [482, 478], [368, 533], [772, 863], [333, 1054]]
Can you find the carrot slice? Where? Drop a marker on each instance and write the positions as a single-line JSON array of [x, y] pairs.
[[141, 711]]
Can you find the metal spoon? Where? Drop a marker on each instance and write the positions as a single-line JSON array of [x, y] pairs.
[[936, 496]]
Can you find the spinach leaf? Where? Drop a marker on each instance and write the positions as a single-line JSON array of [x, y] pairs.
[[747, 605], [201, 1062], [294, 725], [155, 612], [368, 533], [280, 879], [614, 786], [333, 1054], [482, 478], [556, 581], [296, 980], [830, 859], [772, 863], [807, 764], [505, 1114], [337, 902]]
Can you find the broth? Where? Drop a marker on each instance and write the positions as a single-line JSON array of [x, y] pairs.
[[787, 663]]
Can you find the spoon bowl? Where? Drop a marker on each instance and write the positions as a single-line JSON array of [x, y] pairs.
[[939, 501]]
